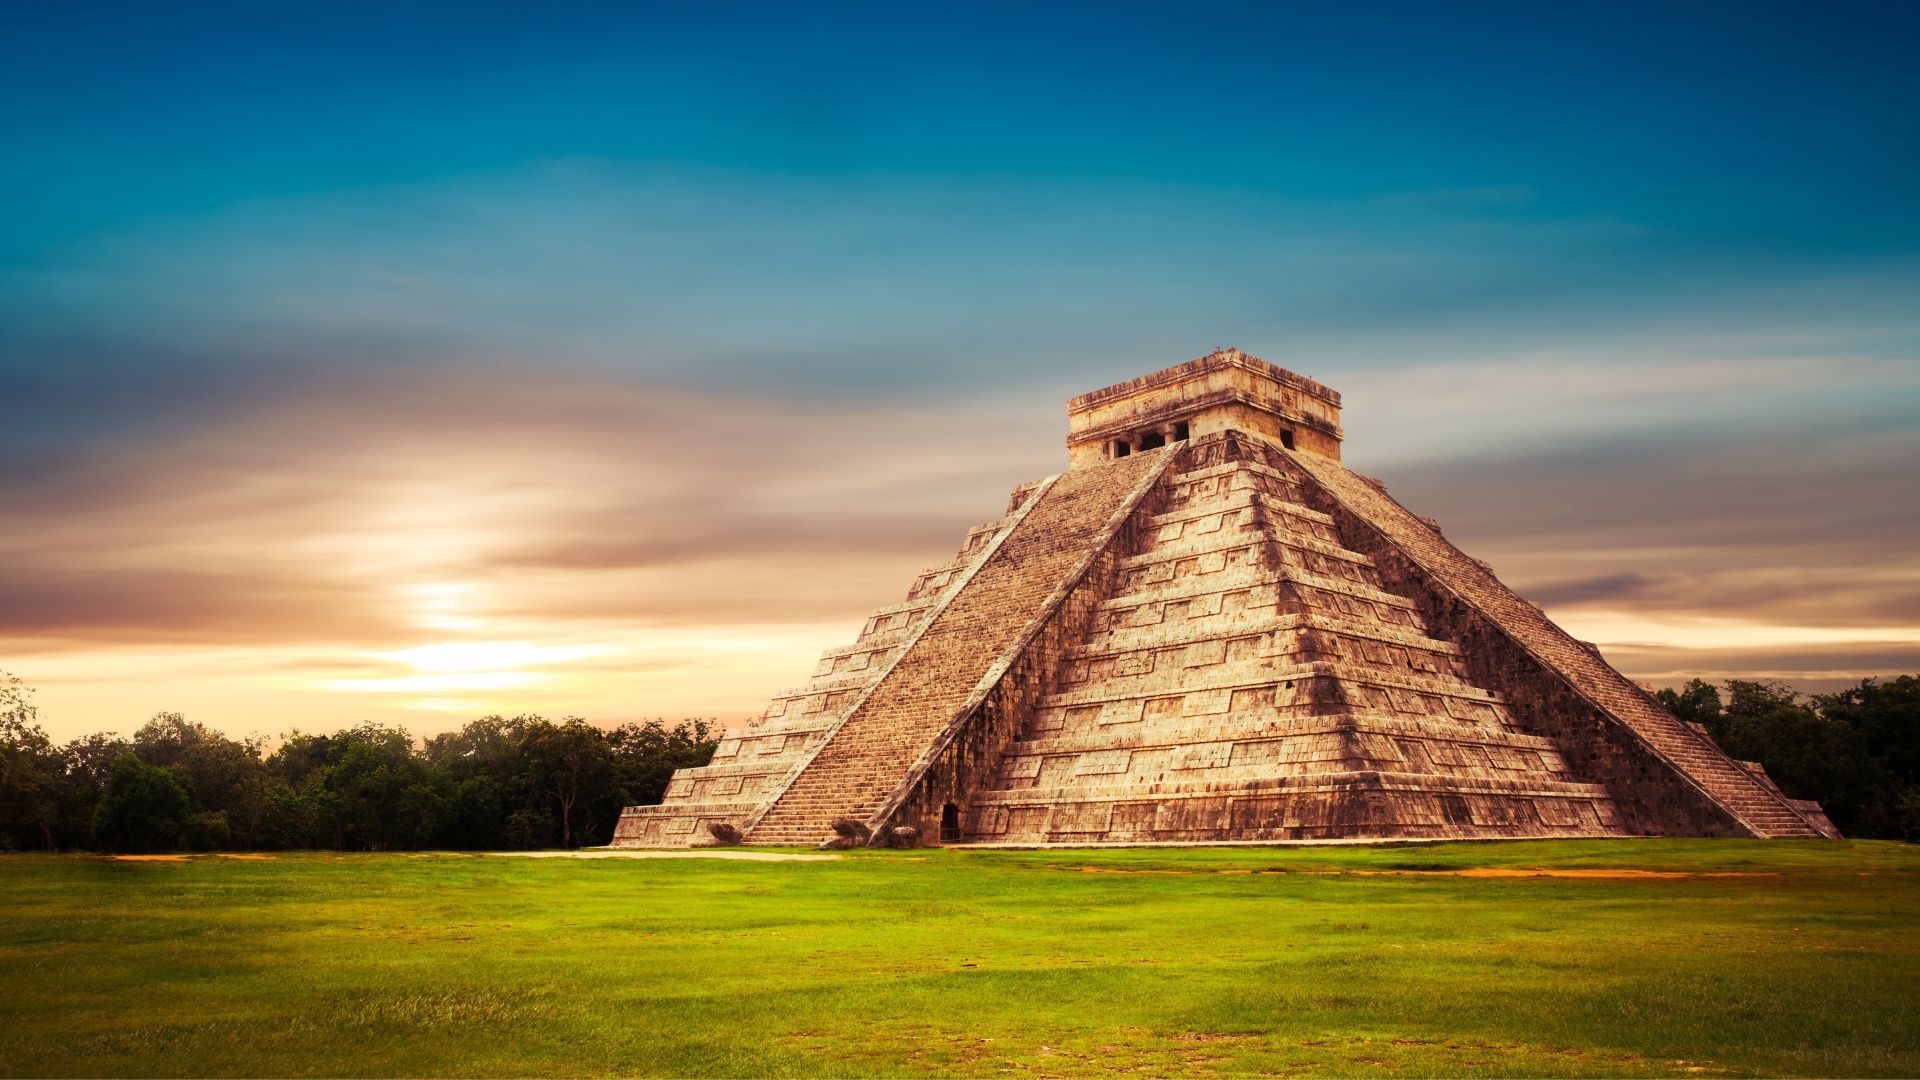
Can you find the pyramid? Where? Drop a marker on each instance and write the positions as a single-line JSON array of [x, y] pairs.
[[1208, 630]]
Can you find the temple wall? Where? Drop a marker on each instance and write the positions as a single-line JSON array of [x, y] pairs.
[[1225, 390]]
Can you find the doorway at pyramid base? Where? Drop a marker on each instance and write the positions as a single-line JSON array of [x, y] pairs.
[[1212, 636]]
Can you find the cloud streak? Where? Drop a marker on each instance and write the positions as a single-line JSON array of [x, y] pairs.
[[669, 375], [665, 549]]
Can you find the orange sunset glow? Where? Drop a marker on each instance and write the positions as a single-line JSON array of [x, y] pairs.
[[621, 381], [396, 549]]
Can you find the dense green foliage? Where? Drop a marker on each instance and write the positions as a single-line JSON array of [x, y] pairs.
[[144, 809], [528, 782], [524, 782], [1771, 958], [1857, 751]]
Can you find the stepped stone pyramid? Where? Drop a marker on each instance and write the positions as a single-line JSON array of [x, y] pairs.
[[1209, 630]]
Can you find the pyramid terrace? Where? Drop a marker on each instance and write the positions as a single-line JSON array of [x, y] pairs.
[[1208, 630]]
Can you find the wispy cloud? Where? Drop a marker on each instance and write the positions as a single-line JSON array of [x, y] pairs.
[[427, 541], [604, 529], [665, 378]]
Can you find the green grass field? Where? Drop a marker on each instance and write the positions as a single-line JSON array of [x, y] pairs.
[[1764, 958]]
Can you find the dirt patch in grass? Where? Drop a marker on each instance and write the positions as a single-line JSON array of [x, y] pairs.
[[1541, 871], [1468, 872], [1579, 873], [646, 853], [247, 855]]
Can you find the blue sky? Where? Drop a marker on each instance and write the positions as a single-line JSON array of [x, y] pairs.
[[1668, 252], [778, 172]]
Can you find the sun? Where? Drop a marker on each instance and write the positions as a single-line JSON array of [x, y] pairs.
[[453, 666], [468, 656]]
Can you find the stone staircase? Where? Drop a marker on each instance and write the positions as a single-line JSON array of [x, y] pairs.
[[870, 755], [1754, 803], [751, 766], [1248, 679], [1208, 630]]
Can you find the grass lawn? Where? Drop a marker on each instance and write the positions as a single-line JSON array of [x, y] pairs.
[[1754, 958]]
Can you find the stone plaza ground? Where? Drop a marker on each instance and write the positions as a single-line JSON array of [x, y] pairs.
[[1599, 957]]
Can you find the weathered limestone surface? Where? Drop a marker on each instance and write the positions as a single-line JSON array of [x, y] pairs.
[[750, 767], [1681, 781], [1225, 390], [1250, 680], [1207, 629], [873, 750]]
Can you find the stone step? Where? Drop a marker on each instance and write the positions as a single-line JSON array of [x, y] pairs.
[[1235, 501], [1359, 779], [1267, 725], [870, 753], [1526, 625], [1131, 639], [1227, 678]]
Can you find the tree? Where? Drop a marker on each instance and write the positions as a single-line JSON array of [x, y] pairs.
[[301, 759], [565, 762], [496, 782], [525, 830], [645, 756], [648, 754], [490, 744], [144, 808], [1697, 702], [384, 796], [87, 767], [306, 817], [483, 764], [1841, 750], [1886, 717], [30, 772], [225, 779]]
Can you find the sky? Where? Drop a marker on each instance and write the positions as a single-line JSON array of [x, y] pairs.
[[410, 363]]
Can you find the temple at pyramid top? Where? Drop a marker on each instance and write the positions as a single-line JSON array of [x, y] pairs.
[[1225, 390]]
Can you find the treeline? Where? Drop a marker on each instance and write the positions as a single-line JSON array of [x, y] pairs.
[[497, 783], [528, 782], [1857, 751]]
